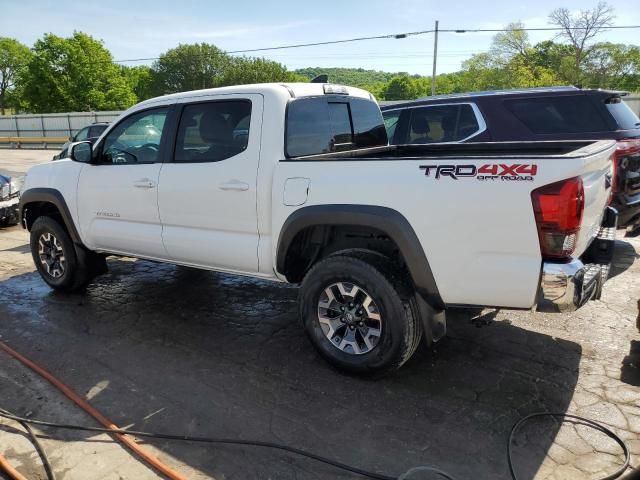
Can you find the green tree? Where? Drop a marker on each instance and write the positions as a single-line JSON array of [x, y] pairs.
[[14, 57], [579, 30], [74, 74], [140, 80], [257, 70], [401, 88], [513, 42], [377, 89], [552, 55], [355, 77], [447, 83], [611, 65], [189, 67]]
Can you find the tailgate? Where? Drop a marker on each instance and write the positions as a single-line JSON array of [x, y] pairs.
[[597, 166]]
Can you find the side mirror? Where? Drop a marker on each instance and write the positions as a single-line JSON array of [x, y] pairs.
[[80, 152]]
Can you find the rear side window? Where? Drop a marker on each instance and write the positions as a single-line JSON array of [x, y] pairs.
[[442, 123], [624, 116], [565, 114], [317, 125], [213, 131]]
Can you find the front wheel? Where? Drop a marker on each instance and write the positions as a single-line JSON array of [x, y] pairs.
[[55, 256], [360, 313]]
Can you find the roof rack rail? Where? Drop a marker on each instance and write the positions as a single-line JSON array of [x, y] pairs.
[[562, 88]]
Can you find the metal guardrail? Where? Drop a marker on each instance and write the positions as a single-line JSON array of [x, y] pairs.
[[18, 142], [634, 103], [56, 128]]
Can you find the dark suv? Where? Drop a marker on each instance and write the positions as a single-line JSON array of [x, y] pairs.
[[90, 133], [558, 113]]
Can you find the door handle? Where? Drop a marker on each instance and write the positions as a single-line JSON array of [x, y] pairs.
[[144, 183], [234, 185]]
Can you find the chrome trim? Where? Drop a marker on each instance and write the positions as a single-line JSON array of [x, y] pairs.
[[565, 287]]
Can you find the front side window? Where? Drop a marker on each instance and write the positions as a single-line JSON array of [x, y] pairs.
[[442, 123], [561, 114], [136, 139], [213, 131], [317, 125]]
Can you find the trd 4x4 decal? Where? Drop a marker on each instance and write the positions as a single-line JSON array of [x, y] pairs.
[[491, 171]]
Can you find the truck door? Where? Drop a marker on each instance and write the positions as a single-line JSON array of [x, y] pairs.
[[207, 190], [117, 193]]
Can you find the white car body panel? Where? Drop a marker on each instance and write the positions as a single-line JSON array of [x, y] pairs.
[[116, 215], [479, 237], [208, 209]]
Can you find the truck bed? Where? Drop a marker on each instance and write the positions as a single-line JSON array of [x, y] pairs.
[[469, 204]]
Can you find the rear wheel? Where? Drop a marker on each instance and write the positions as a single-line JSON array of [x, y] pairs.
[[55, 256], [359, 313]]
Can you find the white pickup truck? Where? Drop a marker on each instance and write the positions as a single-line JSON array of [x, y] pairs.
[[297, 183]]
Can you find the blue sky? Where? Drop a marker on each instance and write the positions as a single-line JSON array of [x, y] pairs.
[[134, 29]]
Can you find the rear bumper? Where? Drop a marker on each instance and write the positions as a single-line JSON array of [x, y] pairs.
[[566, 286]]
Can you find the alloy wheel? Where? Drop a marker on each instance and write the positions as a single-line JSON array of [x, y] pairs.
[[51, 255], [349, 318]]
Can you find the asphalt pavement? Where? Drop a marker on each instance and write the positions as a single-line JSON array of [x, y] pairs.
[[170, 349]]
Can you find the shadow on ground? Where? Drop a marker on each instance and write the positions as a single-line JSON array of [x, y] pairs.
[[630, 371], [202, 353], [625, 255]]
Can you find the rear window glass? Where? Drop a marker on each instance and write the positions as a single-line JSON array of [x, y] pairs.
[[565, 114], [624, 116], [391, 119], [319, 125]]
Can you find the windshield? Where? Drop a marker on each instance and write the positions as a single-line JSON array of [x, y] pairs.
[[624, 116]]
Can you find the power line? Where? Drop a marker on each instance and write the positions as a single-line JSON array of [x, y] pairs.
[[393, 36], [372, 37], [532, 29]]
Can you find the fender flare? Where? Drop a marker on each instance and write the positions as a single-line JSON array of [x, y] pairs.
[[385, 219], [54, 197]]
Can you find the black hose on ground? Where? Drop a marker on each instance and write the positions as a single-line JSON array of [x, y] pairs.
[[563, 417]]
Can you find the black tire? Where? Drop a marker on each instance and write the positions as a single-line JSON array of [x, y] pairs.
[[74, 275], [390, 290]]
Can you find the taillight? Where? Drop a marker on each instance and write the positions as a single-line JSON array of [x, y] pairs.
[[624, 147], [558, 209]]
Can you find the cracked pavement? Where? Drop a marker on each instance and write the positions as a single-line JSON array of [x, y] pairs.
[[170, 349]]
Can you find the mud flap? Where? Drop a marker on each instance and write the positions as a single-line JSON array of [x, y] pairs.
[[91, 264], [434, 322]]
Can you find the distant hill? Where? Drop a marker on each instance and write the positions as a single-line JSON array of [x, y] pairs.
[[356, 77]]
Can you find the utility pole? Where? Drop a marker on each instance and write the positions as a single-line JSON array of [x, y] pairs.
[[435, 58]]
